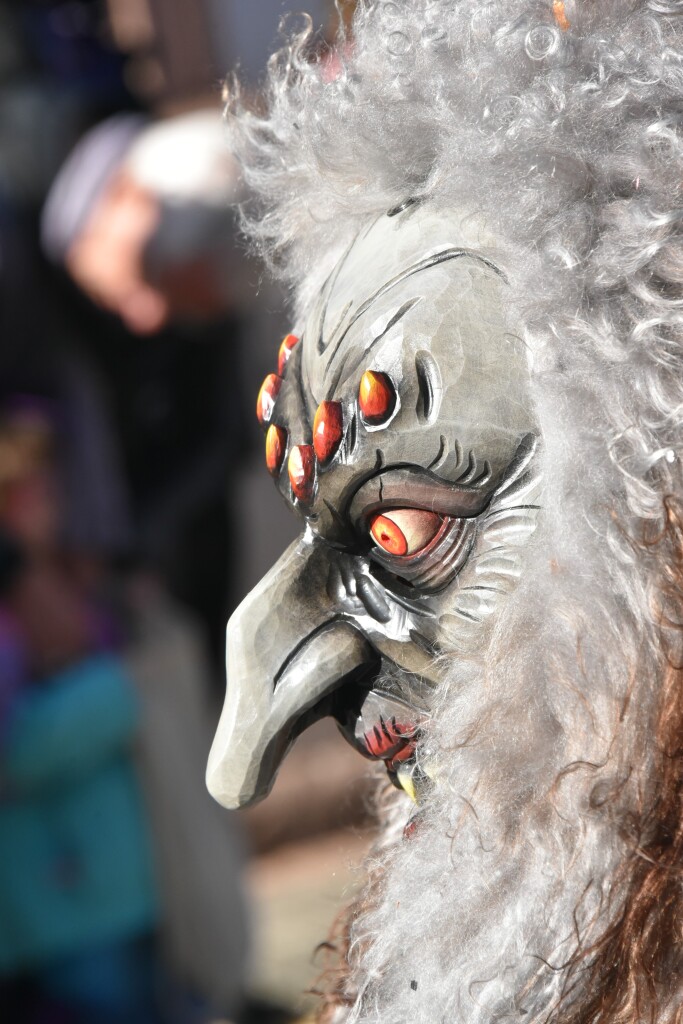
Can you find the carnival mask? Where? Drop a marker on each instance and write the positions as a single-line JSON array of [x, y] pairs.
[[400, 428]]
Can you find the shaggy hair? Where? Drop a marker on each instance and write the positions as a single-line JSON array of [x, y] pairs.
[[543, 879]]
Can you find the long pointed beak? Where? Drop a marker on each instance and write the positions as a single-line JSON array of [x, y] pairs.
[[286, 652]]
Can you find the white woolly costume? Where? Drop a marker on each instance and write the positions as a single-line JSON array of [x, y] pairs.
[[543, 881]]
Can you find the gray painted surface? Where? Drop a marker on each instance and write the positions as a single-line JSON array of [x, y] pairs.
[[339, 626]]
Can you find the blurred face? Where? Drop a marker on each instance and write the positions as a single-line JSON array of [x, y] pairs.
[[30, 509], [400, 429]]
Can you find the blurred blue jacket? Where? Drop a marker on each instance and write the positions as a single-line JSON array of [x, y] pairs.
[[75, 859]]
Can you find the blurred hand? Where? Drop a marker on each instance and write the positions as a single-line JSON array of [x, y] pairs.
[[106, 258]]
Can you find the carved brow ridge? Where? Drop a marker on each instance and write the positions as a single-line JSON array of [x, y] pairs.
[[416, 268], [344, 370]]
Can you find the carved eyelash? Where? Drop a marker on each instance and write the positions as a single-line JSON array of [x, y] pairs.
[[435, 567]]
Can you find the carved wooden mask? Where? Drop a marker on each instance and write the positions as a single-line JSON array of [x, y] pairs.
[[400, 428]]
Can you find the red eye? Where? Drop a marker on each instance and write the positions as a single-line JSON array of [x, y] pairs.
[[289, 342], [405, 531]]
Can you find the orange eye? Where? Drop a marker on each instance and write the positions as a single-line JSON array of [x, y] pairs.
[[276, 443], [405, 531], [289, 342], [265, 403]]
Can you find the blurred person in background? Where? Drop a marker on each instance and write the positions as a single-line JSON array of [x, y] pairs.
[[119, 882], [78, 897], [174, 397], [142, 218]]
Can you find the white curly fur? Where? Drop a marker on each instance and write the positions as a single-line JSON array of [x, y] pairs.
[[567, 142]]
